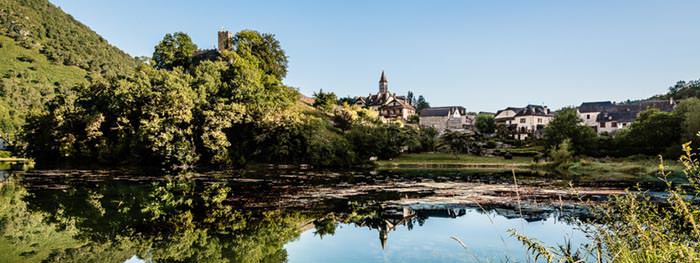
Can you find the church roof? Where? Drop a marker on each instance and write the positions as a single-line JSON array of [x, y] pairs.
[[382, 78]]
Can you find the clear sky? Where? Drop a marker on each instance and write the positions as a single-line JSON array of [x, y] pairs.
[[484, 55]]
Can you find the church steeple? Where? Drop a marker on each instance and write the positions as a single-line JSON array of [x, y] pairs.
[[383, 84]]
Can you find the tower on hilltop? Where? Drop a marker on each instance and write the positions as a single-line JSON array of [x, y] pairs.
[[225, 40]]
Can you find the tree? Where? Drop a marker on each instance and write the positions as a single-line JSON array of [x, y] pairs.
[[347, 99], [266, 48], [410, 98], [561, 154], [456, 141], [689, 111], [325, 100], [652, 133], [175, 50], [428, 139], [485, 123], [567, 125], [421, 104], [684, 90]]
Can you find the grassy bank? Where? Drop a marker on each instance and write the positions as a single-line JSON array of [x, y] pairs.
[[583, 170], [451, 160]]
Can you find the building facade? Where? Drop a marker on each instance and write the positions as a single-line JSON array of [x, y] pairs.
[[530, 121], [453, 118], [608, 117]]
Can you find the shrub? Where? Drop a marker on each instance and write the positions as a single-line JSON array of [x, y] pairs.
[[561, 155]]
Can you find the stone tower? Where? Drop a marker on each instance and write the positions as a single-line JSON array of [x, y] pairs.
[[383, 84], [225, 41]]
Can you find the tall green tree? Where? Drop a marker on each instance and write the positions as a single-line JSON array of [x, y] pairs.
[[411, 98], [325, 100], [689, 111], [567, 125], [266, 48], [653, 132], [175, 50], [421, 104], [485, 123], [457, 142]]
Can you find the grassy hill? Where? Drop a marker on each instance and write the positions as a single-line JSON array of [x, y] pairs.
[[41, 26], [44, 52]]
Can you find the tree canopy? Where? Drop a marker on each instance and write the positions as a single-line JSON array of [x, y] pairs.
[[567, 125], [175, 50]]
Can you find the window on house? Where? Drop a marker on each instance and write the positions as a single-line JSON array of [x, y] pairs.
[[539, 120], [588, 116], [522, 120], [602, 124], [614, 124]]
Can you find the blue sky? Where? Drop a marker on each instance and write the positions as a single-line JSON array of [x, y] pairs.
[[484, 55]]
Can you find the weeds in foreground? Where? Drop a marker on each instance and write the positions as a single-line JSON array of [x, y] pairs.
[[638, 228]]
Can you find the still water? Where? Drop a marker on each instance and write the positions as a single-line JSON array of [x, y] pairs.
[[283, 216]]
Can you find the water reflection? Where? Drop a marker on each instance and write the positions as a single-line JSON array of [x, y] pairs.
[[92, 216]]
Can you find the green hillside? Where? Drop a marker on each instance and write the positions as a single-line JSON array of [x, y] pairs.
[[44, 52], [27, 81], [39, 25]]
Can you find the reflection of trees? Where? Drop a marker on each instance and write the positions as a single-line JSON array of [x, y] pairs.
[[177, 220], [24, 235]]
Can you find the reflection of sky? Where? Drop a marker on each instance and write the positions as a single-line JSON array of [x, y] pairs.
[[487, 241]]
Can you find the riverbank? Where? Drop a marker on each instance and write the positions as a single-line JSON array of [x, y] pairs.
[[437, 160], [641, 169]]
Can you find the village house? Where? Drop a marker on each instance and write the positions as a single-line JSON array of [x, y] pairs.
[[525, 122], [506, 116], [530, 121], [608, 117], [610, 122], [589, 111], [453, 118], [389, 106]]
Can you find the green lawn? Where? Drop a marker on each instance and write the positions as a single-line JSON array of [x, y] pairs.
[[451, 159]]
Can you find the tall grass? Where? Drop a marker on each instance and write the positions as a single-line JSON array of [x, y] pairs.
[[638, 228]]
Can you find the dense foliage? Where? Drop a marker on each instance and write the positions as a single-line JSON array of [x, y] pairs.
[[38, 24], [44, 52], [485, 123], [175, 50], [566, 125], [230, 110], [683, 90]]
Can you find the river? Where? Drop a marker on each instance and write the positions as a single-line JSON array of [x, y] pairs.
[[287, 215]]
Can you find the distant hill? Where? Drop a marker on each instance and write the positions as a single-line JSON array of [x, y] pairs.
[[39, 25], [43, 52]]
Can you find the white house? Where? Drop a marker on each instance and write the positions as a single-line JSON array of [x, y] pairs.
[[531, 120]]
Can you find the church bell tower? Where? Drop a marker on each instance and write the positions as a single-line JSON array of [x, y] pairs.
[[383, 84]]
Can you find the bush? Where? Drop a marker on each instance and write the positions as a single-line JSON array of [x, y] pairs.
[[561, 155]]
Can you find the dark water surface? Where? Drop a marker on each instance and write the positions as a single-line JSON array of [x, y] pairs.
[[284, 216]]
